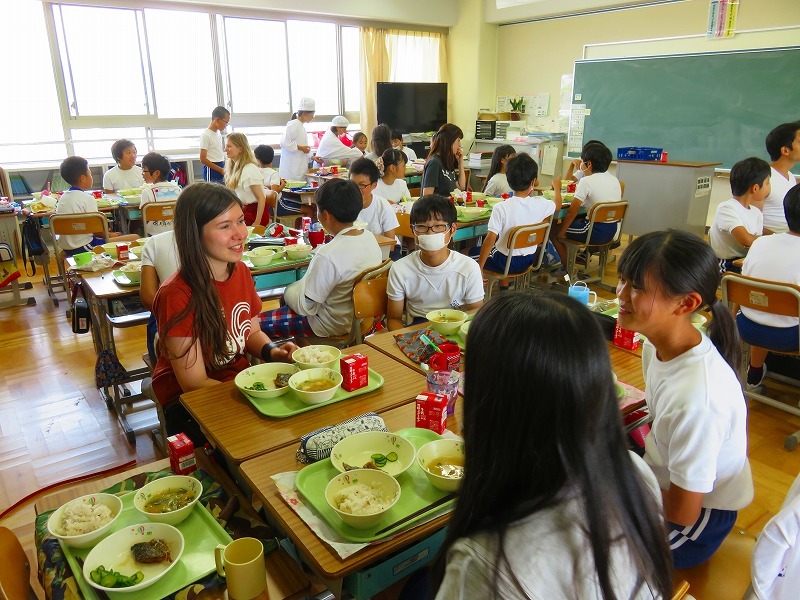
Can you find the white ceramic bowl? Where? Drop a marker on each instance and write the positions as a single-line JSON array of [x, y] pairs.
[[378, 480], [298, 251], [456, 318], [301, 357], [266, 374], [357, 450], [110, 248], [142, 241], [464, 329], [311, 374], [114, 552], [133, 271], [165, 483], [263, 256], [86, 540], [435, 450]]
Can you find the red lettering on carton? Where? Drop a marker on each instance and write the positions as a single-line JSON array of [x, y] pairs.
[[355, 371], [431, 411], [626, 338], [181, 454]]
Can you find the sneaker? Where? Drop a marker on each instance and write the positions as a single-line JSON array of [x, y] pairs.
[[754, 380]]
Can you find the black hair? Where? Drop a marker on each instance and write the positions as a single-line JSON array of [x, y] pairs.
[[340, 198], [521, 171], [220, 113], [72, 168], [358, 135], [433, 206], [264, 153], [393, 156], [598, 154], [299, 113], [381, 139], [681, 263], [153, 162], [747, 173], [396, 135], [781, 137], [498, 155], [791, 208], [364, 166], [118, 148], [536, 435], [442, 145]]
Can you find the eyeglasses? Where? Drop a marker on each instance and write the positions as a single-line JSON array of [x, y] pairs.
[[363, 186], [423, 229], [148, 171]]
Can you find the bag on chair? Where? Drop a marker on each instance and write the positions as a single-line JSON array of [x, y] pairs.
[[80, 310], [32, 244]]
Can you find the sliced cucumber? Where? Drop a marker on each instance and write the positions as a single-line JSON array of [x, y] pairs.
[[392, 456]]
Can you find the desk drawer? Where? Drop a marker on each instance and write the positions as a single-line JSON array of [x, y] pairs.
[[464, 233], [272, 280], [481, 229]]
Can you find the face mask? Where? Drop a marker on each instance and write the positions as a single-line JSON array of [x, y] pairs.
[[432, 241]]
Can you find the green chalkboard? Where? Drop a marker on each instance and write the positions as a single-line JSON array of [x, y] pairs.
[[709, 107]]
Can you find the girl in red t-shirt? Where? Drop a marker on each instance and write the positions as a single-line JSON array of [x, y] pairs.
[[207, 312]]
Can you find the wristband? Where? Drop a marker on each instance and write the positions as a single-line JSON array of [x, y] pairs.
[[266, 351]]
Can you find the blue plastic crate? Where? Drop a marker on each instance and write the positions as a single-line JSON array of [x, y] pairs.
[[639, 153]]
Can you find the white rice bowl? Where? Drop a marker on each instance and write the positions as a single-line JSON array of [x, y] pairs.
[[319, 356], [82, 522], [362, 497]]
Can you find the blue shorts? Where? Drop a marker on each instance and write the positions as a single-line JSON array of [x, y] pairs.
[[601, 234], [519, 264], [726, 264], [778, 339], [212, 175], [96, 241], [288, 208], [696, 543]]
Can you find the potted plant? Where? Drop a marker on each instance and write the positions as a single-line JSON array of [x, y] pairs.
[[517, 107]]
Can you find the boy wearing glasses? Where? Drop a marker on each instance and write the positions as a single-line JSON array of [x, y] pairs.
[[434, 277], [377, 212], [212, 148], [156, 170]]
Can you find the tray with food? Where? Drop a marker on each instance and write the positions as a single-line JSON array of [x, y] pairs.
[[159, 537], [377, 483]]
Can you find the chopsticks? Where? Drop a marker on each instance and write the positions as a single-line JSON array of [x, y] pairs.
[[421, 511]]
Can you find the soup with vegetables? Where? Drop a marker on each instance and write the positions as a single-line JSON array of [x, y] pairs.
[[316, 385], [444, 319], [451, 467], [169, 500]]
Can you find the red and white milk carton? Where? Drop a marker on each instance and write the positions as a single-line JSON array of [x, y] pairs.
[[432, 411], [122, 251], [181, 454], [626, 338], [355, 371]]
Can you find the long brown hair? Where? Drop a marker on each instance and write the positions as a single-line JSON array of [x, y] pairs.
[[197, 205], [233, 169], [442, 145]]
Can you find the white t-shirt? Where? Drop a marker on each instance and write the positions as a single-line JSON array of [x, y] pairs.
[[211, 142], [379, 216], [294, 163], [774, 218], [332, 148], [325, 294], [251, 175], [71, 202], [774, 258], [271, 177], [549, 553], [698, 437], [497, 186], [456, 282], [598, 188], [164, 191], [393, 193], [161, 252], [730, 215], [116, 179], [410, 154], [518, 211]]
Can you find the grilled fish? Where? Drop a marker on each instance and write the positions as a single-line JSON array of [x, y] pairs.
[[154, 551]]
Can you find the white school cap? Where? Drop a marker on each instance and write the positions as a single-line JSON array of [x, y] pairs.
[[340, 121], [306, 104]]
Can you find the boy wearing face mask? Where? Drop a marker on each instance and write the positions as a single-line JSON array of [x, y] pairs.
[[434, 277], [521, 209]]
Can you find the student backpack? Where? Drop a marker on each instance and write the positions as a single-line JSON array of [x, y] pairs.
[[32, 244], [81, 319]]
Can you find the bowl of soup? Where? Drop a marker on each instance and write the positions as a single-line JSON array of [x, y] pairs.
[[442, 461], [446, 321], [264, 255], [169, 499], [314, 386]]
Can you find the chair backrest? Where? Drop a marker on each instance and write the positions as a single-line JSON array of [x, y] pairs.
[[15, 570], [158, 211], [416, 192], [759, 294], [607, 212], [467, 173], [404, 230], [369, 299], [527, 236], [77, 224]]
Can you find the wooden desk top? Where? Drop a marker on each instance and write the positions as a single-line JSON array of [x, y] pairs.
[[101, 284], [258, 472], [233, 424]]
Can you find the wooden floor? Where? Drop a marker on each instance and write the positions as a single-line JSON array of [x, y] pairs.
[[54, 426]]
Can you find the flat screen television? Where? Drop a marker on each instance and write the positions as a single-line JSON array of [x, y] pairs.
[[412, 107]]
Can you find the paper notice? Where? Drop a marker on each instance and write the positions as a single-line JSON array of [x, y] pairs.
[[549, 155]]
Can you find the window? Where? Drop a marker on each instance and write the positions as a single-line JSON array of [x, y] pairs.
[[414, 56], [263, 135], [182, 63], [256, 57], [351, 69], [95, 143], [168, 140], [102, 60], [313, 64]]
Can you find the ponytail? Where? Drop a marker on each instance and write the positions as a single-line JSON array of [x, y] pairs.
[[724, 335]]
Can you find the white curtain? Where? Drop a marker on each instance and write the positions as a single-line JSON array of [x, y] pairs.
[[397, 55]]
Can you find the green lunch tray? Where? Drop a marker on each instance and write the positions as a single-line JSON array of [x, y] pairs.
[[464, 219], [281, 262], [459, 339], [416, 492], [289, 404], [201, 533]]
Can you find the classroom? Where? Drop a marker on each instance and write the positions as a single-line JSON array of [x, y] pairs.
[[385, 300]]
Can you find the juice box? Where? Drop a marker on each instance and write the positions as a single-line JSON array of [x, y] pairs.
[[355, 371], [181, 454], [122, 251], [432, 412], [626, 338]]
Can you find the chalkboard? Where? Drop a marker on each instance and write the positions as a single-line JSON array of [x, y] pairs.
[[715, 107]]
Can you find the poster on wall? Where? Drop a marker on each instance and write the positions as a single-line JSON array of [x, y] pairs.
[[722, 18], [576, 121]]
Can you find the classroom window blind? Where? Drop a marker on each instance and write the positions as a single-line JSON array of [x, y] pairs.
[[313, 64], [351, 69]]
